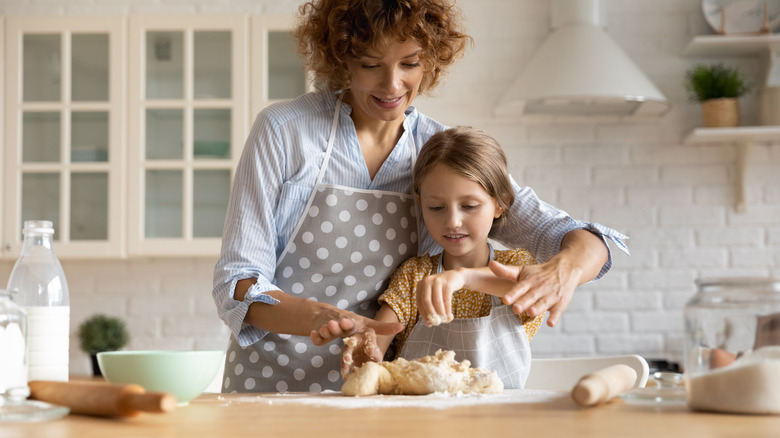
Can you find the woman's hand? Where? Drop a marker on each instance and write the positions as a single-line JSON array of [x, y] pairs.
[[348, 324], [550, 286], [538, 288], [434, 296], [358, 349]]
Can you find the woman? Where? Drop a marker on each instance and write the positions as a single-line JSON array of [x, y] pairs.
[[321, 212]]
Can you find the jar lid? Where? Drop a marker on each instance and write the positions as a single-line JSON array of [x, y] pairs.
[[724, 283], [15, 407]]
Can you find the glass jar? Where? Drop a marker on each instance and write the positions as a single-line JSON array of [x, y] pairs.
[[14, 405], [13, 338], [732, 345]]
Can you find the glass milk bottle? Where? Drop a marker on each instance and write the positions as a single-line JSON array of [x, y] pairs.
[[40, 289], [13, 357]]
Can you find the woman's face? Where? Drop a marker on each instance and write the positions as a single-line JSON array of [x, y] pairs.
[[384, 84], [458, 214]]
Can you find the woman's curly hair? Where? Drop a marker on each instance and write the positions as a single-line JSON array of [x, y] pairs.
[[332, 32]]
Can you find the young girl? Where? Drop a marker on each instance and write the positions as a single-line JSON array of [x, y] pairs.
[[463, 190]]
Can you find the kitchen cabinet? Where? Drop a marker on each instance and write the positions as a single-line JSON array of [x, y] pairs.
[[190, 90], [64, 124], [766, 48], [126, 131], [277, 70], [188, 100], [2, 134]]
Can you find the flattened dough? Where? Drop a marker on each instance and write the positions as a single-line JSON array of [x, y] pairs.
[[429, 374]]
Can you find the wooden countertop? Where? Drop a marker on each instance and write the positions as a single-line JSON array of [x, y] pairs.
[[331, 415]]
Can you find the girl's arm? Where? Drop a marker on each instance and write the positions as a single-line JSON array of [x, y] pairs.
[[434, 292]]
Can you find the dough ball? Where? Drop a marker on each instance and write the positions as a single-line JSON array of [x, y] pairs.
[[429, 374], [371, 378]]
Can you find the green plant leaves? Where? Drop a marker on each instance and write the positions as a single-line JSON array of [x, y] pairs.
[[704, 82], [102, 333]]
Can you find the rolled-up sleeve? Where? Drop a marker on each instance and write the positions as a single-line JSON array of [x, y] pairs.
[[540, 228]]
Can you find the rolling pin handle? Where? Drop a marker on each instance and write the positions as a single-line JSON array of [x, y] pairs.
[[603, 385], [156, 402]]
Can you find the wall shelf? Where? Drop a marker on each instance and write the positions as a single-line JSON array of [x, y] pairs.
[[737, 134], [766, 48], [732, 45], [744, 137]]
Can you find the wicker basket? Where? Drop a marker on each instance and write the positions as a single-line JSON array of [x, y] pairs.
[[720, 113]]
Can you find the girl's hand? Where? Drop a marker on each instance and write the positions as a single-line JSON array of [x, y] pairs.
[[434, 296], [359, 349], [539, 288]]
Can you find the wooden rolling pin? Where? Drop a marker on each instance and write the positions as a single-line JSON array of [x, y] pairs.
[[100, 398], [603, 385]]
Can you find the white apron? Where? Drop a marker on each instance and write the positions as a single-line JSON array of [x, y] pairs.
[[342, 252], [495, 342]]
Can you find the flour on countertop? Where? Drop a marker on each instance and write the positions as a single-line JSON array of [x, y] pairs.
[[432, 401]]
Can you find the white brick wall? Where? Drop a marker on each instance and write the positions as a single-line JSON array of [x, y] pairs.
[[675, 201]]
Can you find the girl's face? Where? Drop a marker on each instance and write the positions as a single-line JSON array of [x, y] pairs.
[[384, 84], [458, 213]]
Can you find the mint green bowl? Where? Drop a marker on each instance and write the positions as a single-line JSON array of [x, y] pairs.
[[184, 374]]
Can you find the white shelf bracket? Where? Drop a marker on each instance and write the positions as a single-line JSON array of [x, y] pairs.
[[743, 151], [770, 66]]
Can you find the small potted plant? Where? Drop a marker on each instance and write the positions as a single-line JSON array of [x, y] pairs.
[[717, 88], [102, 333]]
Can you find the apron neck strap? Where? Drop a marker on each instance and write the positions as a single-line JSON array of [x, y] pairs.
[[331, 139]]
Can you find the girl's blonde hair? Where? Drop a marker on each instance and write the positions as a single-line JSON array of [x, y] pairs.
[[473, 154], [332, 32]]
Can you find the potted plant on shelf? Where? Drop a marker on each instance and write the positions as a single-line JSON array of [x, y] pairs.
[[718, 89], [102, 333]]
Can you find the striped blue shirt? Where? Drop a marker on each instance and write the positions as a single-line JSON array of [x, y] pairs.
[[277, 172]]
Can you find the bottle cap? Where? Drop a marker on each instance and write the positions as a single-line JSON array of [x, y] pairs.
[[38, 226]]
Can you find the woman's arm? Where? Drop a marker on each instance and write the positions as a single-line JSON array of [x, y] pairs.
[[302, 317], [570, 252], [250, 236]]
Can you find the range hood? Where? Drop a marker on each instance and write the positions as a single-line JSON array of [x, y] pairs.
[[580, 70]]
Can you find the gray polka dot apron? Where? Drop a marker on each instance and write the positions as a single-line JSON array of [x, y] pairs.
[[342, 252], [495, 342]]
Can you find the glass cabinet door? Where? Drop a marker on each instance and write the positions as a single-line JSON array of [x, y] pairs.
[[188, 98], [276, 66], [64, 125], [4, 245]]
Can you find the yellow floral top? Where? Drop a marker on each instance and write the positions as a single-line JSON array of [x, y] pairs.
[[400, 294]]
